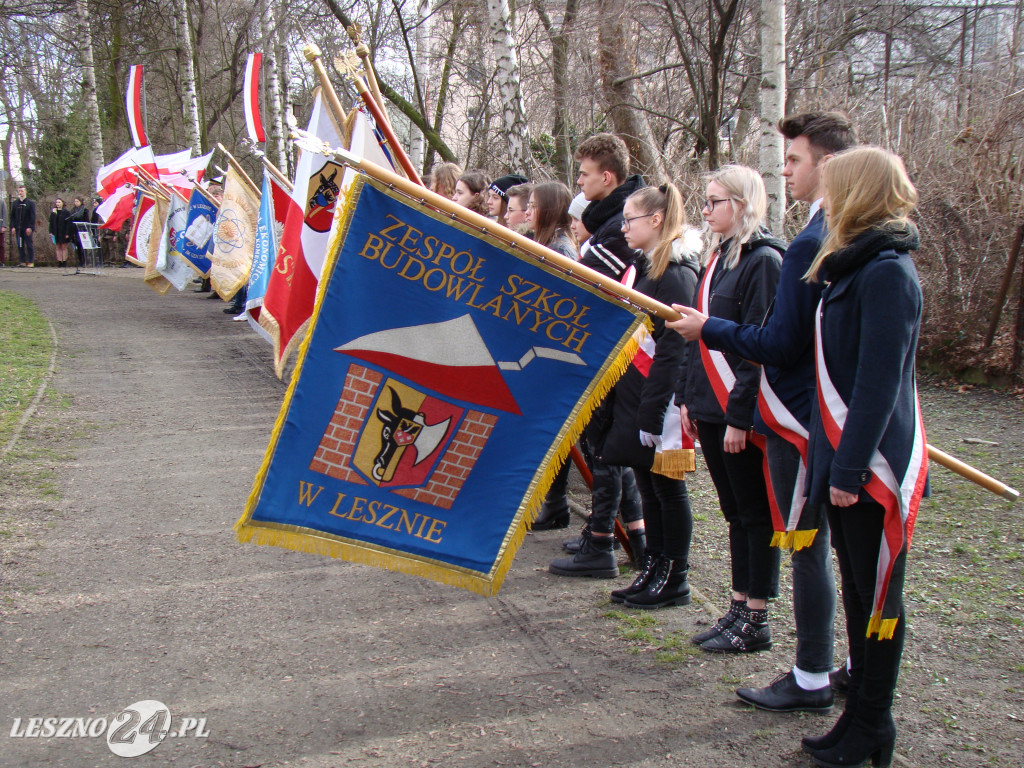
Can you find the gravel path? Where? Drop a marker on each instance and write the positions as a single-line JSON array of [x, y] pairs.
[[128, 585]]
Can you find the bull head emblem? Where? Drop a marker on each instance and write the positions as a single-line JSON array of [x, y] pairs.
[[327, 192], [402, 428]]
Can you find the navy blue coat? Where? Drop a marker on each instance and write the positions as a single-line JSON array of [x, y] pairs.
[[785, 344], [871, 318]]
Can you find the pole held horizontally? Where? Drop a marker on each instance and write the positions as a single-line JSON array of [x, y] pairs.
[[599, 280], [972, 474]]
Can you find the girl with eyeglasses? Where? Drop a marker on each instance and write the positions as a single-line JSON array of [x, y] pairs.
[[737, 283], [643, 411]]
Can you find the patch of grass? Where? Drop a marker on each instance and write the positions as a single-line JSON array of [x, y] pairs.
[[25, 349]]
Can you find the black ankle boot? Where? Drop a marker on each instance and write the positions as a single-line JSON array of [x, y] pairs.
[[638, 547], [736, 609], [812, 744], [595, 558], [870, 736], [551, 517], [642, 577], [749, 633], [666, 587]]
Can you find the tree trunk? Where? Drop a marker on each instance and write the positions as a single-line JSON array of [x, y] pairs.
[[275, 148], [421, 48], [628, 122], [564, 166], [92, 107], [513, 116], [773, 97], [188, 73]]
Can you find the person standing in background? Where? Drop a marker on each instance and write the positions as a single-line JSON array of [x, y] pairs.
[[23, 221], [3, 229]]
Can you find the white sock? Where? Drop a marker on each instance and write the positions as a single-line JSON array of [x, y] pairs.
[[810, 681], [848, 661]]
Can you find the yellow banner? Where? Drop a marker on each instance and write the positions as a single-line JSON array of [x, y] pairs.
[[234, 237]]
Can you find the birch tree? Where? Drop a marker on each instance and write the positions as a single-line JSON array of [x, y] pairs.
[[516, 134], [773, 100], [92, 107], [188, 72], [272, 80]]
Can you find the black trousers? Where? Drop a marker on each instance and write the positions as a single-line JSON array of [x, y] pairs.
[[874, 663], [743, 497], [667, 516]]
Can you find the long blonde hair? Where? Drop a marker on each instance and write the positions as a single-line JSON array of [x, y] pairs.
[[667, 201], [864, 188], [746, 188]]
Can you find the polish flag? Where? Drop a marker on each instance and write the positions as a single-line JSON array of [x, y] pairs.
[[123, 170], [251, 100], [135, 106], [183, 171]]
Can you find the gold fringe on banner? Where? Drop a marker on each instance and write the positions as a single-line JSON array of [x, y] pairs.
[[307, 540]]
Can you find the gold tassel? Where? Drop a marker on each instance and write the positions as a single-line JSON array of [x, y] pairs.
[[802, 539], [675, 463], [781, 539], [884, 628]]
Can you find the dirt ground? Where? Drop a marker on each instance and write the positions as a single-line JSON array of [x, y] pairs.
[[121, 581]]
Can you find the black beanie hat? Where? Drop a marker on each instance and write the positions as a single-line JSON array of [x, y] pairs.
[[505, 183]]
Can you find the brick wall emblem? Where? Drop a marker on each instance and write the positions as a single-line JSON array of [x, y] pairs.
[[401, 437]]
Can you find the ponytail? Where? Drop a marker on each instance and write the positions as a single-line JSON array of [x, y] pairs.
[[668, 201]]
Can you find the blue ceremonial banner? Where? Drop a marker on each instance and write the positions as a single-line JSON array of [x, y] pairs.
[[196, 242], [269, 223], [442, 382]]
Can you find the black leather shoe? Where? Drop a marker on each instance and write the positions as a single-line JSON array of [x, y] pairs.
[[785, 695], [839, 680]]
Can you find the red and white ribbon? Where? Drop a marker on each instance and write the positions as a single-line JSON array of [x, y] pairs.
[[135, 106], [900, 497], [251, 92]]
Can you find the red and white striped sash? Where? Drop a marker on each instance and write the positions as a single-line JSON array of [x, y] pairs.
[[780, 420], [675, 455], [722, 380], [899, 496]]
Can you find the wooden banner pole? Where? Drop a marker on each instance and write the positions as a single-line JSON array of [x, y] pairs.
[[598, 280], [239, 169], [276, 173], [384, 125], [972, 474], [313, 54], [363, 51]]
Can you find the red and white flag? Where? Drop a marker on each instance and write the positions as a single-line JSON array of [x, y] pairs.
[[135, 106], [182, 171], [291, 292], [116, 183], [251, 100], [124, 170]]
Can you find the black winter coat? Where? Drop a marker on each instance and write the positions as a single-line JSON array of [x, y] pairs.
[[744, 295], [608, 252], [23, 215], [61, 226], [639, 402]]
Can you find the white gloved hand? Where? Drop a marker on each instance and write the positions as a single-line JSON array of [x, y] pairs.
[[651, 441]]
